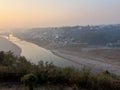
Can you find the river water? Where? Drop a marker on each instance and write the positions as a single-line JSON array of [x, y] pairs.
[[35, 53]]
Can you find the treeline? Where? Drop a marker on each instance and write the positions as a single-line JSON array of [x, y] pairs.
[[15, 69]]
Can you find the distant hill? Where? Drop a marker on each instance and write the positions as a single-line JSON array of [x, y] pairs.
[[99, 35]]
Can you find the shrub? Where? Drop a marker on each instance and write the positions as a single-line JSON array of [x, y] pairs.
[[29, 80]]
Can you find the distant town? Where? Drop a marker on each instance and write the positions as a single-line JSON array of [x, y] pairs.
[[83, 36]]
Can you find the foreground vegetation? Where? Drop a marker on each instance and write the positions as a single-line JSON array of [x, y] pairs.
[[18, 69]]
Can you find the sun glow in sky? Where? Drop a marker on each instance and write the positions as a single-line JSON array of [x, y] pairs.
[[39, 13]]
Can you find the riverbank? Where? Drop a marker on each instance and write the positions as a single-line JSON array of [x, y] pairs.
[[40, 54], [6, 45], [94, 65], [95, 60]]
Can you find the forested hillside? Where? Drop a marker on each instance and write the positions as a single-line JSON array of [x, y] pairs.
[[101, 35]]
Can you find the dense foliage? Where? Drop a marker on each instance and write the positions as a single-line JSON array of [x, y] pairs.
[[15, 69]]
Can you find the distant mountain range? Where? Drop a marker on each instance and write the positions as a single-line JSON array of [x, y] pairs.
[[99, 35]]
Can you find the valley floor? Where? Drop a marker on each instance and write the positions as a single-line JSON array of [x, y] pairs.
[[95, 59]]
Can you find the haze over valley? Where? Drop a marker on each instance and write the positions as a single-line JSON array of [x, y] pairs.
[[59, 44], [89, 46]]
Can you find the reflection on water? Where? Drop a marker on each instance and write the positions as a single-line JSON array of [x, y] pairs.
[[35, 53]]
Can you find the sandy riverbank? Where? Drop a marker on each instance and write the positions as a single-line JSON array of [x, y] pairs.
[[94, 64], [6, 45], [95, 60]]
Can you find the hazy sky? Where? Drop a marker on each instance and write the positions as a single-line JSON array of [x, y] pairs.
[[38, 13]]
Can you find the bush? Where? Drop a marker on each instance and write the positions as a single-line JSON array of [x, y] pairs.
[[29, 80]]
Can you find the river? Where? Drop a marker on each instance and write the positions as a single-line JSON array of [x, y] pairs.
[[35, 53]]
